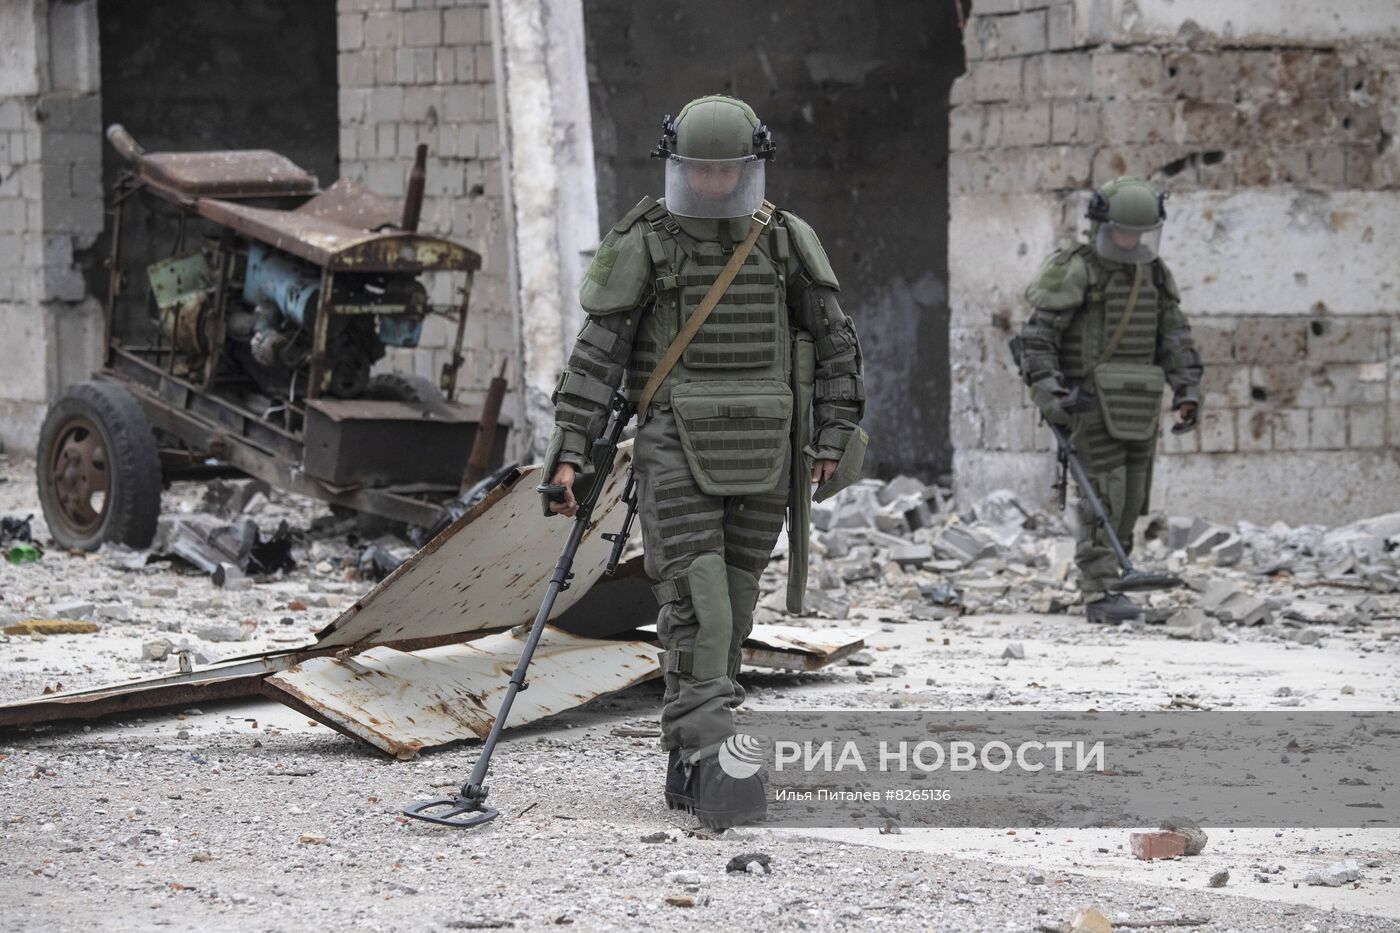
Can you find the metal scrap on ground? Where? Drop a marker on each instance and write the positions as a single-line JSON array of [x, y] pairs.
[[397, 669]]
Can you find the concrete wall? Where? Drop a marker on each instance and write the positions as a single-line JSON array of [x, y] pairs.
[[856, 96], [50, 205], [186, 76], [424, 71], [1273, 127]]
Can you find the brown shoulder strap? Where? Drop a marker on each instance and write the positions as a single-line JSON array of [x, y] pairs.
[[761, 217], [1122, 327]]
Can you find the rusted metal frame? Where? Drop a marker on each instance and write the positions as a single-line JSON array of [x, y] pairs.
[[318, 340], [214, 332], [224, 415], [258, 463], [448, 380], [175, 330], [121, 193]]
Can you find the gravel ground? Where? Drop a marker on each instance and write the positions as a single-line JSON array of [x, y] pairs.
[[246, 816]]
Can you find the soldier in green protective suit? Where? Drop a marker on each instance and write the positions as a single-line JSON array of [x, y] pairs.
[[1105, 338], [715, 460]]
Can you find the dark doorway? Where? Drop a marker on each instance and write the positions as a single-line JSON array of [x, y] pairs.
[[857, 97], [234, 74]]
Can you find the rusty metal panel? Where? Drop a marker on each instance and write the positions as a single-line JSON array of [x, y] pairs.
[[225, 680], [229, 174], [401, 702], [351, 204], [489, 577], [329, 244], [355, 441]]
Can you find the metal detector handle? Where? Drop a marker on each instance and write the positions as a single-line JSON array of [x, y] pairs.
[[554, 492], [604, 453], [1081, 477]]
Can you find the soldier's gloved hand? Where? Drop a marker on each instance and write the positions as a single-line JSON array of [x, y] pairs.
[[1187, 417], [823, 470], [1079, 402], [564, 476]]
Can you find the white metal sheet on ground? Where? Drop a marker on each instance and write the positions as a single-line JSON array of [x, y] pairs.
[[822, 641], [488, 570], [401, 702]]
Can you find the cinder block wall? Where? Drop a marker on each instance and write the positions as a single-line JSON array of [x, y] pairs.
[[421, 71], [50, 206], [1273, 127]]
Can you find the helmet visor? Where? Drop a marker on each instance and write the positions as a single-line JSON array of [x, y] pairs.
[[1123, 243], [714, 188]]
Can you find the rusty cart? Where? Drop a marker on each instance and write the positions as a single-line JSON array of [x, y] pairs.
[[254, 352]]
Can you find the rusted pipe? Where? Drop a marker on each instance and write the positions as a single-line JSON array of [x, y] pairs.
[[479, 463], [413, 201], [123, 142]]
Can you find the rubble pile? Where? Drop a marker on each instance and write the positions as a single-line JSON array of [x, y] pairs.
[[904, 545]]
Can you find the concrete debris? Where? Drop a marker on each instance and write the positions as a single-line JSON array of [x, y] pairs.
[[1196, 837], [1219, 879], [1336, 874], [156, 649], [1015, 651], [1089, 920], [1190, 623], [753, 863]]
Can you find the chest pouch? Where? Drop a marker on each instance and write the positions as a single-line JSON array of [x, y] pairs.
[[734, 433], [1130, 397]]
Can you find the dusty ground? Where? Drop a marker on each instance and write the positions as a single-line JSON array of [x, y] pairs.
[[199, 822]]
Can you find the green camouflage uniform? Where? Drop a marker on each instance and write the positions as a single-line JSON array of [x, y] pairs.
[[712, 456], [1079, 299]]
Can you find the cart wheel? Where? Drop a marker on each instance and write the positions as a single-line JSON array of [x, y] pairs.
[[98, 469], [396, 387]]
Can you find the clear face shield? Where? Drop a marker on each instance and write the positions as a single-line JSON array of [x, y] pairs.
[[1122, 243], [714, 188]]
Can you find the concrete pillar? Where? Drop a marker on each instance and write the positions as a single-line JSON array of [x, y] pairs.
[[550, 191], [50, 205]]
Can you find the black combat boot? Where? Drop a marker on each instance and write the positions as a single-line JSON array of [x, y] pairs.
[[721, 801], [678, 796], [1110, 610]]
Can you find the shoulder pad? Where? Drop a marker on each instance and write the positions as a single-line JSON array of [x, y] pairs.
[[1061, 283], [1168, 281], [619, 274], [635, 214], [809, 250]]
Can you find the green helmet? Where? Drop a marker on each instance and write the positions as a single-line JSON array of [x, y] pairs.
[[1127, 214], [715, 151]]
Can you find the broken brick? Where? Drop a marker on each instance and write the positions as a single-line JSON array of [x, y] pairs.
[[1158, 844]]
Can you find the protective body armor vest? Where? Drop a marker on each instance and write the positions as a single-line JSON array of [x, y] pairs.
[[730, 392], [1105, 302]]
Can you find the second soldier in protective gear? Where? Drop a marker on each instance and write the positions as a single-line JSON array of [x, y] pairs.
[[1105, 338], [714, 452]]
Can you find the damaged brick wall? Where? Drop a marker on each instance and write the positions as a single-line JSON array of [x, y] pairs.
[[421, 71], [1273, 131]]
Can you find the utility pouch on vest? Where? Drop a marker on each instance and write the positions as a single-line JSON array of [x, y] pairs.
[[734, 433], [804, 377], [1130, 397], [847, 468]]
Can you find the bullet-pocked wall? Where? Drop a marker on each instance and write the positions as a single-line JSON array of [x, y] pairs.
[[241, 74], [1273, 127], [857, 97]]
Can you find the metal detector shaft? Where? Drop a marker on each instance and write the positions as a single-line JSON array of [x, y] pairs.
[[1087, 489], [469, 807]]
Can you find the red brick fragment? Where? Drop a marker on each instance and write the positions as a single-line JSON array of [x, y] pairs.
[[1158, 844]]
